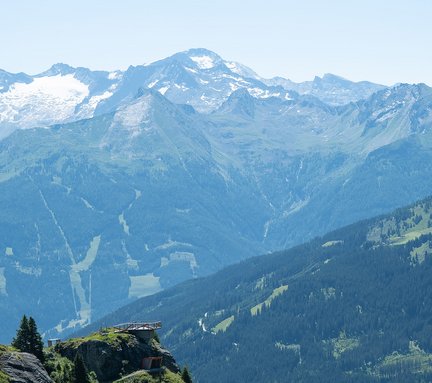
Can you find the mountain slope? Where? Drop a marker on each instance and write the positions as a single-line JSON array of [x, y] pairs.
[[321, 167], [352, 306], [125, 197], [154, 193]]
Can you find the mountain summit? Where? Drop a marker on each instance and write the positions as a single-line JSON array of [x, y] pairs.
[[239, 102]]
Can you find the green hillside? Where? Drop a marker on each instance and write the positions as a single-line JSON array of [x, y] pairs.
[[352, 306]]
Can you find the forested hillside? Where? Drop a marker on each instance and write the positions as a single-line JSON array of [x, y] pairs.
[[352, 306]]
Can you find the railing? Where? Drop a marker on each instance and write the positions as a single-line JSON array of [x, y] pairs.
[[136, 326]]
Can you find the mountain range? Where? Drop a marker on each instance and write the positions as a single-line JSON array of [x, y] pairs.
[[197, 77], [155, 186]]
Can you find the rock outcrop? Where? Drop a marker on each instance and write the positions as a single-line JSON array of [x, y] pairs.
[[112, 355], [21, 367]]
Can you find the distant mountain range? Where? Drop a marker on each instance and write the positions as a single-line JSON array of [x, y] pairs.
[[331, 89], [197, 77], [153, 189], [352, 306]]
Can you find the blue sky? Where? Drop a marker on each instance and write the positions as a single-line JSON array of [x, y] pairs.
[[384, 41]]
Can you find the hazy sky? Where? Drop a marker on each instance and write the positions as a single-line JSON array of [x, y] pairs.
[[384, 41]]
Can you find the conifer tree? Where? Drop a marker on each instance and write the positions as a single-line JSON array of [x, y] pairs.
[[28, 338], [80, 371], [35, 340], [186, 375], [21, 341]]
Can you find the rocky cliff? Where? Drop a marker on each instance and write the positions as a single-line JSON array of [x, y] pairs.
[[111, 355]]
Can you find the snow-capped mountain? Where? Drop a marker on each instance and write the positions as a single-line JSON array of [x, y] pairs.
[[197, 77], [60, 94]]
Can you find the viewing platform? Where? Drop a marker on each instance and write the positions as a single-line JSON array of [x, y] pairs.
[[138, 326], [143, 330]]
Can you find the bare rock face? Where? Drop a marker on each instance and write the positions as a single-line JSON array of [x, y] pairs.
[[21, 367], [111, 355]]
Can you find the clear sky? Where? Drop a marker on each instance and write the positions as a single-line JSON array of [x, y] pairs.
[[385, 41]]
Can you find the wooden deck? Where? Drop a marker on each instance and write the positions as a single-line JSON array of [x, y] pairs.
[[138, 326]]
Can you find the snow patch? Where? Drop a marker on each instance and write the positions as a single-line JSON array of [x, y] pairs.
[[233, 87], [95, 100], [153, 83], [240, 69], [232, 66], [114, 75], [203, 62], [43, 101], [203, 82], [182, 87], [163, 90], [261, 93], [190, 70]]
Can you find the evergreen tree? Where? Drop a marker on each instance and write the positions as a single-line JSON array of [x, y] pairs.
[[80, 371], [35, 340], [28, 338], [186, 375], [22, 341]]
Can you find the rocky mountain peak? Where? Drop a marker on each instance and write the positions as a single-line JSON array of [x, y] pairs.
[[240, 102], [58, 69]]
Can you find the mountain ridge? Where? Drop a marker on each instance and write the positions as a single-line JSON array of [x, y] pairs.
[[197, 77], [348, 306]]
